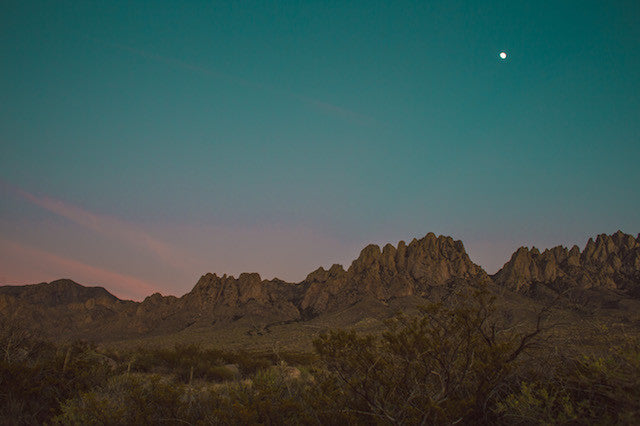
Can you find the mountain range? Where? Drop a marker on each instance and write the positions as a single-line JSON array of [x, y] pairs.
[[603, 277]]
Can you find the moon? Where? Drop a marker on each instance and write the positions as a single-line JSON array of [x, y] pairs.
[[503, 55]]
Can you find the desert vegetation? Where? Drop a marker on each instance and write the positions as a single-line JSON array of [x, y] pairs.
[[460, 361]]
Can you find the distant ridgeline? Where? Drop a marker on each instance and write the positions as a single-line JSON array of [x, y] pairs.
[[603, 276]]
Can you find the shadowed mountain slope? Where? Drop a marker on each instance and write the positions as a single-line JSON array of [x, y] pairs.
[[56, 293]]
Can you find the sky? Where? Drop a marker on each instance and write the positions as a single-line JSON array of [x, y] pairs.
[[143, 144]]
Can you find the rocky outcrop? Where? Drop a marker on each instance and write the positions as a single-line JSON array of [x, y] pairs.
[[405, 270], [216, 299], [248, 295], [610, 262]]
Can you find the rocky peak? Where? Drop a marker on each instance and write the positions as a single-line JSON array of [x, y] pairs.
[[419, 255], [391, 272], [230, 297], [369, 257], [157, 299], [606, 248], [153, 299], [322, 275], [206, 282], [212, 289], [249, 277], [609, 261]]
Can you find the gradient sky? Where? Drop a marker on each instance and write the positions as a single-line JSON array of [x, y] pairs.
[[143, 144]]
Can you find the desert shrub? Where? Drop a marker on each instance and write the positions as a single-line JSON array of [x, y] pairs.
[[185, 362], [295, 358], [249, 362], [538, 403], [134, 399], [34, 384], [456, 362], [588, 389], [447, 365], [252, 362], [271, 397]]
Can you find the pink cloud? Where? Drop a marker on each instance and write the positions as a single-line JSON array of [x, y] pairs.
[[24, 264], [110, 227]]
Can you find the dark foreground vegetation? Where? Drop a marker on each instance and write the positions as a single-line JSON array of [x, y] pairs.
[[459, 362]]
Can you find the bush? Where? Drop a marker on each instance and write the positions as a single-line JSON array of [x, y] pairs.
[[272, 397], [590, 389], [454, 363], [34, 385], [131, 399], [188, 362], [445, 366]]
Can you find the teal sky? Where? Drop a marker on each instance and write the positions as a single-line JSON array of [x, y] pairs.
[[143, 144]]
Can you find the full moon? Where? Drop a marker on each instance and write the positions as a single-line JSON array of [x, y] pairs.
[[503, 55]]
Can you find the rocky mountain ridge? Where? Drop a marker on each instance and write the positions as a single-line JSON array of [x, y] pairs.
[[610, 262], [422, 269], [405, 270]]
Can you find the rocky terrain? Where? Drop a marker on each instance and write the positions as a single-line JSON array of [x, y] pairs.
[[606, 274], [605, 270], [406, 270]]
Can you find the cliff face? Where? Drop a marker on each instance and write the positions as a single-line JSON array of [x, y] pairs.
[[405, 270], [610, 262]]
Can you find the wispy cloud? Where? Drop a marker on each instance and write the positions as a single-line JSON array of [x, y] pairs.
[[343, 113], [123, 286], [108, 226], [326, 107]]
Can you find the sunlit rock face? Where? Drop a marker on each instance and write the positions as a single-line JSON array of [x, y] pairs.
[[405, 270], [609, 262]]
